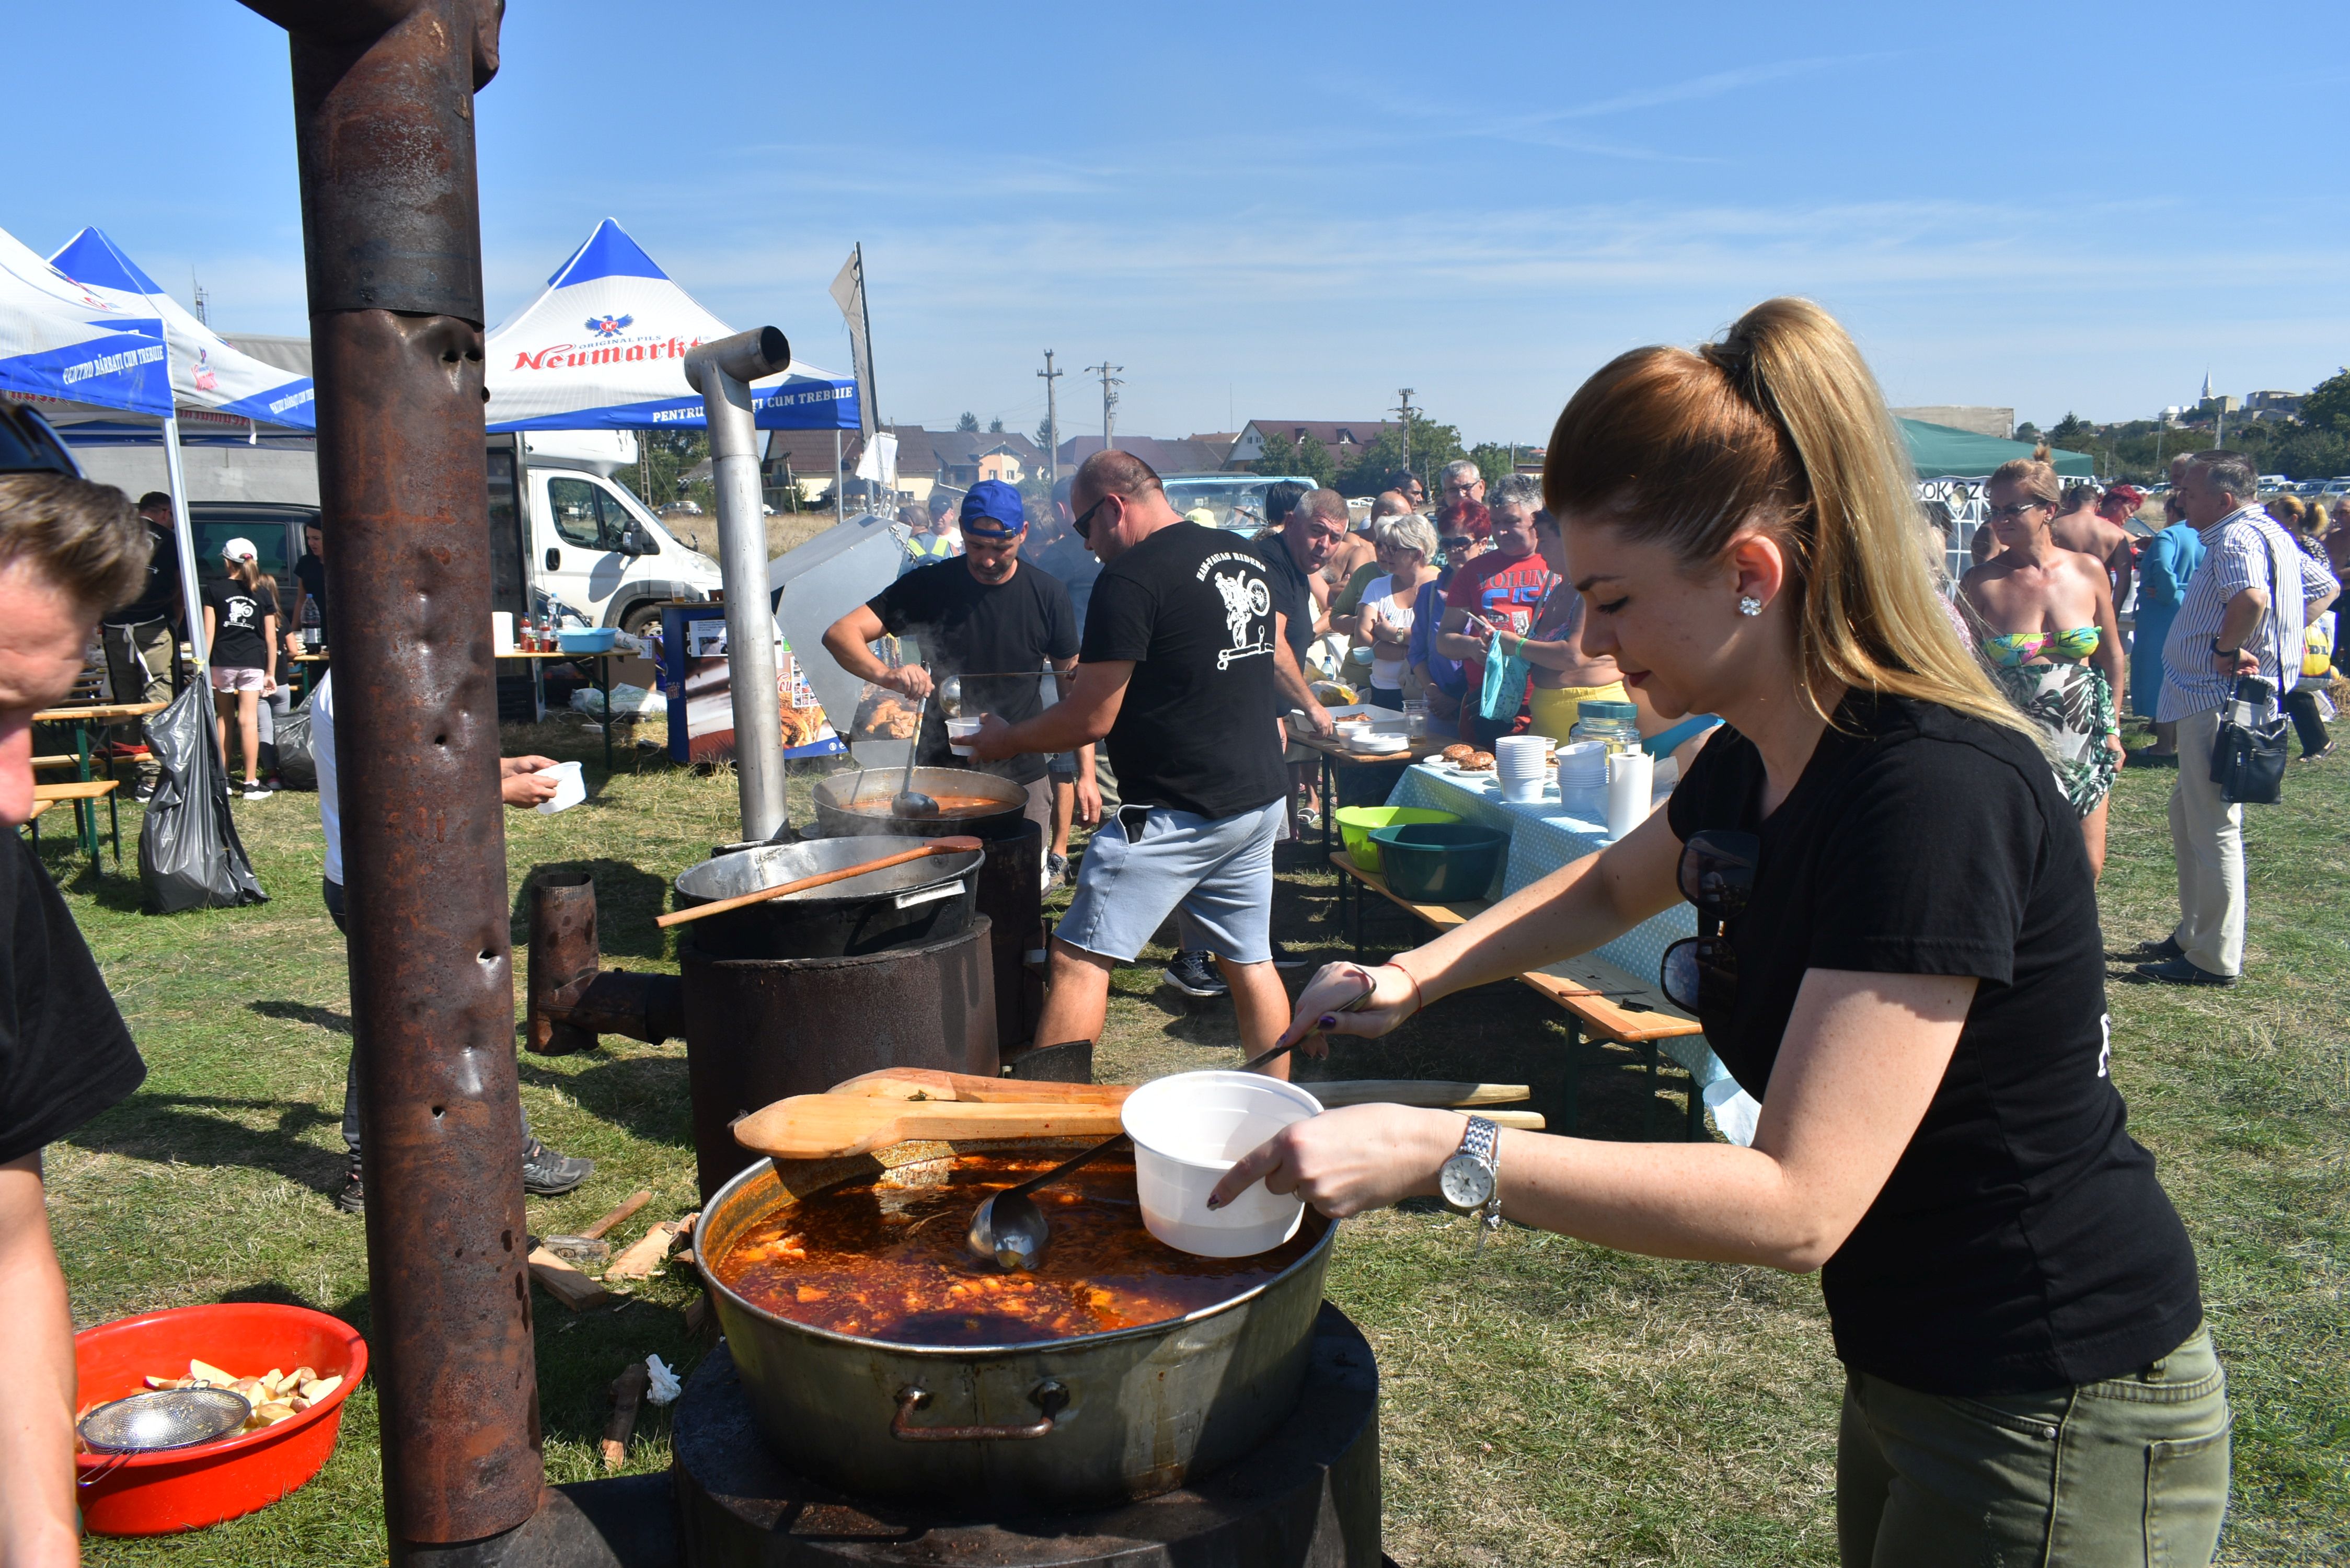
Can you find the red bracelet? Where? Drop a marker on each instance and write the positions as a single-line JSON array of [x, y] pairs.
[[1419, 1003]]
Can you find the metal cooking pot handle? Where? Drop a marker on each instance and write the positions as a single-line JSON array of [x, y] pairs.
[[1050, 1397], [929, 895]]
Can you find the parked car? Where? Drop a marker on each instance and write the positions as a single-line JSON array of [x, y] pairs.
[[588, 541], [1237, 500], [2273, 484], [2336, 488]]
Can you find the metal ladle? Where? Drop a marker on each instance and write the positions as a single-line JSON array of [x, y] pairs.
[[909, 801], [1009, 1230]]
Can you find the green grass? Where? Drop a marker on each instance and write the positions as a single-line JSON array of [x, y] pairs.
[[1545, 1402]]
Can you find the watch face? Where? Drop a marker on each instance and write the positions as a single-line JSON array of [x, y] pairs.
[[1464, 1182]]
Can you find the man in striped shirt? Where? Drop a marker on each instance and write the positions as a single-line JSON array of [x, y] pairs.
[[2241, 613]]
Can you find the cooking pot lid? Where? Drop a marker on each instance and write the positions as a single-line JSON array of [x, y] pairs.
[[773, 864]]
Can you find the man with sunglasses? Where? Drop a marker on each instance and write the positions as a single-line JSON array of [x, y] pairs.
[[1177, 672], [981, 617]]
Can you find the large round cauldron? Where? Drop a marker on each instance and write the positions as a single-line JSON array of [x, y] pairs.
[[859, 803], [924, 900], [1066, 1423]]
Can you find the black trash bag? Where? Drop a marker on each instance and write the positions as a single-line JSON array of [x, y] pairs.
[[189, 855], [297, 769]]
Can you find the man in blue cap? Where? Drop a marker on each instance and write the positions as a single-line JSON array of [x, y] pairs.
[[982, 617]]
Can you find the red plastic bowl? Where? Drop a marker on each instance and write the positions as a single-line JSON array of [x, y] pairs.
[[186, 1489]]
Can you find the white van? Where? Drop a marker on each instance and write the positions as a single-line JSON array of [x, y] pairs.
[[585, 539]]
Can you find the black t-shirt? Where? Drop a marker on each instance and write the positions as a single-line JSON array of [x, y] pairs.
[[159, 594], [64, 1053], [1193, 609], [311, 573], [2022, 1241], [237, 612], [1292, 595], [965, 624]]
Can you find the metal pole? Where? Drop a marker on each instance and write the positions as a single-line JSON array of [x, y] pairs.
[[383, 117], [722, 372], [1052, 421], [184, 541]]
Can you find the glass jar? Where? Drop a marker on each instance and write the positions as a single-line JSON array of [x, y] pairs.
[[1617, 723], [1415, 719]]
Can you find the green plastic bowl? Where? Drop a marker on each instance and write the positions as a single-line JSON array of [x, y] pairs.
[[1356, 822], [1440, 862]]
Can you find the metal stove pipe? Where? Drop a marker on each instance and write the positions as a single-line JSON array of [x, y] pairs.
[[722, 372], [391, 229]]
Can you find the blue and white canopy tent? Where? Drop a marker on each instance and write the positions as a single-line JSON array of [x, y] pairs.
[[603, 347], [61, 341], [207, 371]]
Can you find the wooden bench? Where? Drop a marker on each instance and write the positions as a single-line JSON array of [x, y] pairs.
[[85, 796], [57, 760], [1601, 1001]]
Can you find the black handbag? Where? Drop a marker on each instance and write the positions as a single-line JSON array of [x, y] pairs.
[[2248, 755]]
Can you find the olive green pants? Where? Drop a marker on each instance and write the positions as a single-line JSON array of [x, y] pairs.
[[2133, 1471]]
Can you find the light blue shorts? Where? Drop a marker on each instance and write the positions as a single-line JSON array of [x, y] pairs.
[[1214, 873]]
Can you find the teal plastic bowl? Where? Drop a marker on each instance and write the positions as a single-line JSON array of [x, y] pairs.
[[1439, 862], [1356, 822], [587, 639]]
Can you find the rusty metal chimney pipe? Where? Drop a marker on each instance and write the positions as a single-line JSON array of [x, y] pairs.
[[391, 220], [722, 372]]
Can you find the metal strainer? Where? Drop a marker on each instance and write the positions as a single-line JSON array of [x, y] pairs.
[[164, 1418]]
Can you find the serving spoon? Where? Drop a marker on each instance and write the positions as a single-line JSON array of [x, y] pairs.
[[909, 801], [1009, 1230]]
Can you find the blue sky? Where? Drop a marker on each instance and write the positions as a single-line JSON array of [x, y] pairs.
[[1291, 211]]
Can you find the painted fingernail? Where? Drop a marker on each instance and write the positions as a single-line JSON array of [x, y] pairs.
[[1214, 1204], [1329, 1020]]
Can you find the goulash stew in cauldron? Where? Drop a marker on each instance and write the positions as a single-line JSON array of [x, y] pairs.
[[885, 1258]]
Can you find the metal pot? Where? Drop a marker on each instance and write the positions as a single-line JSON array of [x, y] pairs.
[[995, 1428], [902, 905], [856, 802]]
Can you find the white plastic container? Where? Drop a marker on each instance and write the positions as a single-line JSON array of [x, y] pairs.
[[570, 789], [961, 730], [1188, 1130], [502, 638], [1631, 781], [1377, 743]]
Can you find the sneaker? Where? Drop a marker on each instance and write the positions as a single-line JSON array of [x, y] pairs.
[[2180, 972], [253, 790], [1057, 871], [1193, 973], [547, 1173], [2156, 952], [2320, 754], [353, 1198]]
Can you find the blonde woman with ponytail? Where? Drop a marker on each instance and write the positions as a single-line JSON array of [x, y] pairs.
[[1899, 957]]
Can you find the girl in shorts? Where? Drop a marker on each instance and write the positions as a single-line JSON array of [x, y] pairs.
[[241, 630]]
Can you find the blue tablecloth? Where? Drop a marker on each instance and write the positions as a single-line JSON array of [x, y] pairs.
[[1547, 835]]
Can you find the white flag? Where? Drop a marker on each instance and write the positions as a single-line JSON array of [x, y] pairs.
[[848, 293], [879, 461]]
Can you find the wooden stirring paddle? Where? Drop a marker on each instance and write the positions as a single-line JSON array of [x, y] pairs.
[[932, 1084], [952, 845], [822, 1127]]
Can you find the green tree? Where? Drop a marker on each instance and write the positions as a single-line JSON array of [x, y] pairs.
[[1493, 462], [1309, 457], [664, 456], [2327, 407], [2069, 430], [1045, 435], [1432, 446], [995, 425]]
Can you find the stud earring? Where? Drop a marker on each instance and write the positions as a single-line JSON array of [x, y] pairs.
[[1748, 605]]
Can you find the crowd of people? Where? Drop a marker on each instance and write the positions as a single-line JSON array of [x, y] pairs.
[[1724, 541]]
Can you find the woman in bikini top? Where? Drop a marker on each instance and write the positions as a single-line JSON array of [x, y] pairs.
[[2045, 617]]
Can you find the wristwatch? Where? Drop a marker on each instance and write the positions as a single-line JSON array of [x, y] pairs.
[[1469, 1182], [2220, 652]]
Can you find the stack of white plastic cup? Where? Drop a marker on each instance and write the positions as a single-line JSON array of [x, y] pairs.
[[1519, 763], [1582, 779]]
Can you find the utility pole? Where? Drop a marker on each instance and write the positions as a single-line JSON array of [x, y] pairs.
[[1404, 410], [1052, 420], [1110, 382], [202, 299]]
